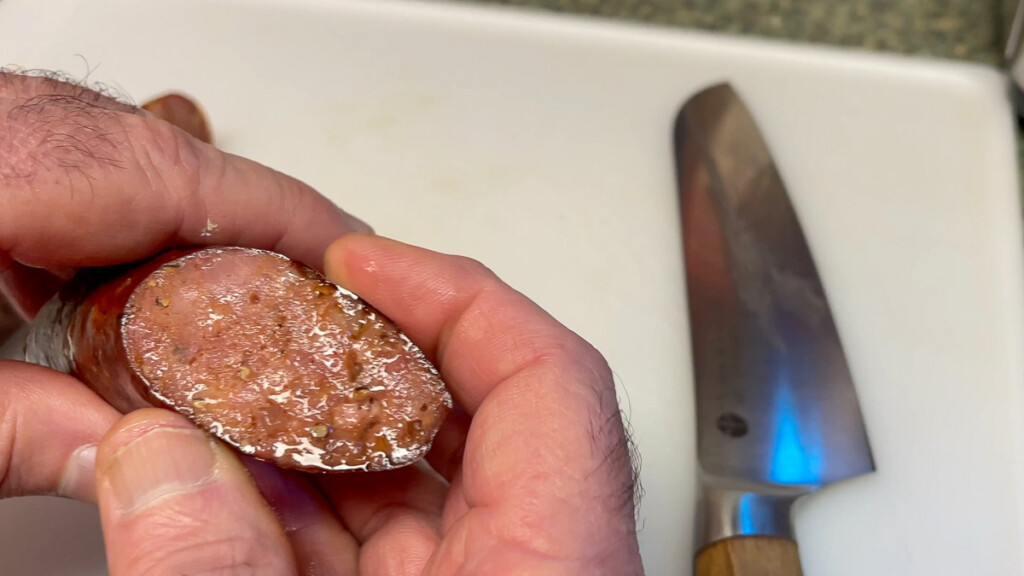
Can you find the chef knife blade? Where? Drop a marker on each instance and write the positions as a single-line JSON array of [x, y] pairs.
[[777, 412]]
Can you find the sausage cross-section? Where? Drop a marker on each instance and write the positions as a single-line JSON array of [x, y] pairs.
[[258, 350]]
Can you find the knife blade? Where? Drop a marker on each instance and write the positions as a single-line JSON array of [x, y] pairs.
[[777, 412]]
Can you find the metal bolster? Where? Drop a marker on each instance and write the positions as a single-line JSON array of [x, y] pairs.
[[729, 509], [48, 342]]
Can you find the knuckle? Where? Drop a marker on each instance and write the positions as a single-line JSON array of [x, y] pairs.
[[419, 540], [398, 518], [577, 356], [475, 269], [165, 153], [17, 401], [593, 359], [532, 526]]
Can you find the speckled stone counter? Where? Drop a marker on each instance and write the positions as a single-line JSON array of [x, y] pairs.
[[961, 29]]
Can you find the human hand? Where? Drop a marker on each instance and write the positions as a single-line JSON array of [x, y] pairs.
[[532, 477], [86, 180]]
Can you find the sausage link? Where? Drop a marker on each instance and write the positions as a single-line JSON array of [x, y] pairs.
[[183, 112]]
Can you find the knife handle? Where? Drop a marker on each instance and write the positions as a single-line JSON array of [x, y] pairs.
[[749, 556]]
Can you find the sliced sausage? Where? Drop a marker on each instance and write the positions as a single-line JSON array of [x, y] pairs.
[[260, 351]]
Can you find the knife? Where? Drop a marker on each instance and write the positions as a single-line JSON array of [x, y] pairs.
[[777, 412]]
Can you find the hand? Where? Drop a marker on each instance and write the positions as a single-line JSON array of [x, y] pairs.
[[531, 475], [86, 180]]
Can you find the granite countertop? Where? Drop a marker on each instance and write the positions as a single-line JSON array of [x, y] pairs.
[[960, 29]]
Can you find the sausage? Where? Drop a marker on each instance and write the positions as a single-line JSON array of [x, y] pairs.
[[258, 350], [183, 112]]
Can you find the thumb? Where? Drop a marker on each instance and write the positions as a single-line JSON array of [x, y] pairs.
[[173, 501]]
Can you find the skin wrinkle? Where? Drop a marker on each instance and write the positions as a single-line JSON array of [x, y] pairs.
[[243, 557], [448, 332], [292, 206], [475, 556], [172, 147], [489, 283], [528, 542], [210, 172], [384, 515]]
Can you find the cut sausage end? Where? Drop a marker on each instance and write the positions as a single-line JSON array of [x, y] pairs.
[[267, 355]]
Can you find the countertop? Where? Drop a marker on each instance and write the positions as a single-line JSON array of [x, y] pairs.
[[961, 29]]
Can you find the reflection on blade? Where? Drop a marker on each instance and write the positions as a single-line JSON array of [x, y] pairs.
[[796, 456], [748, 513]]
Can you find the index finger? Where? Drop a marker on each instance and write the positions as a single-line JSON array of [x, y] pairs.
[[86, 180]]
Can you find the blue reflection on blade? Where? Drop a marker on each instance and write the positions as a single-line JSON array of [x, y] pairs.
[[747, 513], [796, 456]]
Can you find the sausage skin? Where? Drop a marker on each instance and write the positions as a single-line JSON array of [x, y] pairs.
[[258, 350]]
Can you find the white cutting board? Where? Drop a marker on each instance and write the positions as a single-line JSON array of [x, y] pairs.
[[540, 145]]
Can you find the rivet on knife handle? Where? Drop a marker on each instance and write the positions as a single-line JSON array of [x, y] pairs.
[[777, 412]]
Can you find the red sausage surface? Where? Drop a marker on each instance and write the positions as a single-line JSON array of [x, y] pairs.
[[263, 353], [183, 112]]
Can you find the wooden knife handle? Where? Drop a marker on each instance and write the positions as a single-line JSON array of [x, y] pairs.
[[749, 556]]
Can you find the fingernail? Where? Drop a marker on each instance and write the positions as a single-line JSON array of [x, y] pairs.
[[162, 462], [79, 478]]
